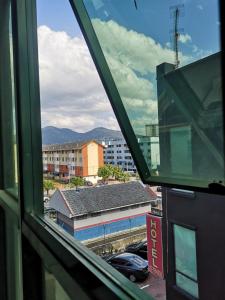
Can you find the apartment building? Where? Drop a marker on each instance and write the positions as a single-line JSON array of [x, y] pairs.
[[116, 152], [73, 159]]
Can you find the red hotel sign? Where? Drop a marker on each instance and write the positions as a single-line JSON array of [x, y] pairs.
[[155, 247]]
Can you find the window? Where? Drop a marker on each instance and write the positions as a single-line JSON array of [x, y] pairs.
[[176, 111], [185, 259]]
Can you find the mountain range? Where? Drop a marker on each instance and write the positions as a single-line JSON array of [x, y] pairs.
[[54, 135]]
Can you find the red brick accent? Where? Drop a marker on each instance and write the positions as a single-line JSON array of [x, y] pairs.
[[78, 171], [100, 156], [85, 160], [63, 169], [50, 168]]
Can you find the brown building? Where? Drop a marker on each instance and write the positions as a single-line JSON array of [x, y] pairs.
[[73, 159]]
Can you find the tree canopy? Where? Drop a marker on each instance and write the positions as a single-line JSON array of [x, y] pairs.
[[48, 185], [116, 172], [76, 181]]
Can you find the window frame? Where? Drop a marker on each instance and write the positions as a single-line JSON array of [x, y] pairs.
[[57, 250], [175, 287], [116, 102]]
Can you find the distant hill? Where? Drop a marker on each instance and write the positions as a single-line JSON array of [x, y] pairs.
[[54, 135]]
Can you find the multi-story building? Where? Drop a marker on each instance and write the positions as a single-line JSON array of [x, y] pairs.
[[116, 152], [73, 159]]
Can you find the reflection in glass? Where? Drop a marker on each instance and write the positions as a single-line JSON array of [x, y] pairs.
[[186, 284], [185, 259], [53, 289], [8, 115], [167, 72]]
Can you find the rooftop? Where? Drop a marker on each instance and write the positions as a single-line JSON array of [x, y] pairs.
[[68, 146], [90, 200]]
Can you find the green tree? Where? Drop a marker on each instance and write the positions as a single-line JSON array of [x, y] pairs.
[[124, 177], [120, 175], [117, 172], [48, 185], [76, 181], [105, 172]]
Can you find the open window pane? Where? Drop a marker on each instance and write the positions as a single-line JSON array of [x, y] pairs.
[[91, 189], [168, 75]]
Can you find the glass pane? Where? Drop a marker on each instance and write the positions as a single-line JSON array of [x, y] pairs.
[[90, 189], [8, 109], [167, 72], [185, 251], [53, 289], [187, 285]]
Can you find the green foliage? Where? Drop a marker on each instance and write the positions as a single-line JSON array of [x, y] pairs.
[[48, 185], [112, 171], [105, 172], [76, 181]]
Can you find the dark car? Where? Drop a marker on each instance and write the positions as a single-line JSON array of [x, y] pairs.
[[139, 249], [130, 265]]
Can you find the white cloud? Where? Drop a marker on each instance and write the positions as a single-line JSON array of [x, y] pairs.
[[72, 94], [71, 91], [133, 58], [184, 38]]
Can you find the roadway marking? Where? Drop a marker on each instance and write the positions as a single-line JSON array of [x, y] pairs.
[[145, 286]]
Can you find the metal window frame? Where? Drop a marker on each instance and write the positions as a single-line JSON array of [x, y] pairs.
[[194, 229], [24, 218], [121, 115]]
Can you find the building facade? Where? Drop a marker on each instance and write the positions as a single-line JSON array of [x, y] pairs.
[[116, 152], [73, 159], [99, 211]]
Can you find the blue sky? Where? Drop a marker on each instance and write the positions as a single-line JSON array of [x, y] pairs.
[[199, 18], [68, 76]]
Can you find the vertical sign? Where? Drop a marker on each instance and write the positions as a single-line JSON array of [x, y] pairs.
[[155, 246]]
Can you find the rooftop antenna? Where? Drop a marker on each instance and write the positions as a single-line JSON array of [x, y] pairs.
[[176, 12], [135, 4]]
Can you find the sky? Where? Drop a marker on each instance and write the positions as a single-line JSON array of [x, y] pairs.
[[134, 42]]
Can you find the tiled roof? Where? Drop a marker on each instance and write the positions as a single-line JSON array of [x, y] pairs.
[[67, 146], [107, 197]]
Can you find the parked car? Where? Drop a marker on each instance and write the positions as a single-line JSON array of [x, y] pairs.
[[46, 198], [130, 265], [88, 183], [138, 249], [159, 189]]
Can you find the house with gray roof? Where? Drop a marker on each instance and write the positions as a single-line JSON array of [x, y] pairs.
[[97, 211]]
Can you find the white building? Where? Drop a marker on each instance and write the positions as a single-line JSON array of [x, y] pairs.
[[116, 152]]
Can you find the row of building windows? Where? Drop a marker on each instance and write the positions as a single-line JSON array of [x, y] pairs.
[[118, 157], [62, 152], [118, 151], [118, 145], [53, 159]]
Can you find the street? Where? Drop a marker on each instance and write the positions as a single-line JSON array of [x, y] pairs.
[[154, 286]]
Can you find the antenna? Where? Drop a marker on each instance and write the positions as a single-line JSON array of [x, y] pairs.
[[135, 4], [176, 13], [176, 36]]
